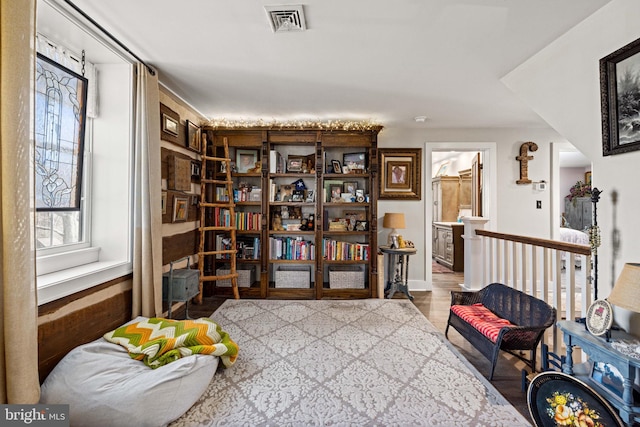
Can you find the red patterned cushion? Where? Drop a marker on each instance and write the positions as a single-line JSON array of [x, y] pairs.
[[482, 319]]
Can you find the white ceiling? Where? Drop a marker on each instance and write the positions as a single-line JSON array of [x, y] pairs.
[[359, 59]]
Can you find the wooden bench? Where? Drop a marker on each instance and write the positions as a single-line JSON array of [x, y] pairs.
[[498, 317]]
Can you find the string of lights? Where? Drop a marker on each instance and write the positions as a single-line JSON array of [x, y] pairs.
[[346, 125]]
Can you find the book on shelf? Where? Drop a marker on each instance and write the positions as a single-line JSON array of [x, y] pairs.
[[334, 250], [291, 248]]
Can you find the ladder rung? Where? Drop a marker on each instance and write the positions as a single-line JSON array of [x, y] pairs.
[[219, 159], [225, 251], [217, 205], [210, 278], [216, 181], [218, 228]]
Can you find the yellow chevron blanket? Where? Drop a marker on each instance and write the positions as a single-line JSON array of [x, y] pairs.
[[158, 341]]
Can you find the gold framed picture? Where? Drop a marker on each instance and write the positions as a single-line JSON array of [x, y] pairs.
[[401, 173]]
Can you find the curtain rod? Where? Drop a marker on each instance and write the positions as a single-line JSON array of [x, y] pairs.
[[111, 36]]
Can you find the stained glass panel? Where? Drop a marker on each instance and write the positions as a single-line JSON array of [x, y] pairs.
[[59, 133]]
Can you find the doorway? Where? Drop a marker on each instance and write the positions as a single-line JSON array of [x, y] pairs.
[[488, 183]]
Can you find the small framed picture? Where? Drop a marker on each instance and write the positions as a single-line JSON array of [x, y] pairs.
[[295, 164], [298, 196], [337, 167], [180, 209], [350, 187], [169, 125], [355, 161], [310, 196], [362, 226], [193, 136], [245, 160], [336, 192], [195, 169]]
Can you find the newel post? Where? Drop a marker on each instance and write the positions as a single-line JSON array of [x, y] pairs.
[[473, 253]]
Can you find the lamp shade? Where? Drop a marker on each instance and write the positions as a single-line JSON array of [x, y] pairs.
[[393, 220], [626, 292]]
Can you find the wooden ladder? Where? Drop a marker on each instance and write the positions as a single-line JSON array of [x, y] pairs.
[[208, 185]]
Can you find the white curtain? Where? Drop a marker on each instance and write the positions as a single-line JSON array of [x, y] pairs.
[[147, 239], [19, 381]]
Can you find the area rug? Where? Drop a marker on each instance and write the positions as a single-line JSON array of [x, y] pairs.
[[343, 363], [437, 268]]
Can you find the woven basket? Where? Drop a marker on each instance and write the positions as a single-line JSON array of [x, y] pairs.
[[293, 276], [245, 278], [346, 277]]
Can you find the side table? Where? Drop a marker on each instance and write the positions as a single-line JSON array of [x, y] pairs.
[[625, 399], [397, 270]]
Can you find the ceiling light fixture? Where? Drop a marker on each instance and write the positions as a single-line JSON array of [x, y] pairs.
[[420, 119], [286, 18]]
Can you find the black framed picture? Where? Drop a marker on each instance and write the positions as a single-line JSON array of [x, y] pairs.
[[193, 136], [337, 167], [356, 162], [620, 99]]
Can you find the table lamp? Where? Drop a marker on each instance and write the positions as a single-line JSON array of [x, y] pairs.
[[626, 292], [393, 221]]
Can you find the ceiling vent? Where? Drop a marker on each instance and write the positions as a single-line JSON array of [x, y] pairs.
[[286, 18]]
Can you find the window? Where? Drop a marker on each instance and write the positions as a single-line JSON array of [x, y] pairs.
[[84, 211]]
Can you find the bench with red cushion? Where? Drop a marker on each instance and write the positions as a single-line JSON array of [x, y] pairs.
[[498, 317]]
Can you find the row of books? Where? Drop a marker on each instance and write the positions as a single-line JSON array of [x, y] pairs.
[[248, 221], [334, 250], [246, 248], [291, 248]]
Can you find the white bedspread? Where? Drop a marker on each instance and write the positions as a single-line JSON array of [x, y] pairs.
[[570, 235]]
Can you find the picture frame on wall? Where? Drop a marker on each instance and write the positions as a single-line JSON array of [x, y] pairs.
[[401, 173], [169, 125], [620, 99], [180, 209], [193, 136]]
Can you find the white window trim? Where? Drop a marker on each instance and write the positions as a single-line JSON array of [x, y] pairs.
[[62, 283]]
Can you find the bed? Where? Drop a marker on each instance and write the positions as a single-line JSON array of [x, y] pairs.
[[577, 237]]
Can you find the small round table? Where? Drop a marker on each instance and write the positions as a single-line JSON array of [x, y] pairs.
[[397, 270]]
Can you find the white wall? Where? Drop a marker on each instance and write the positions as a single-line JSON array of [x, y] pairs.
[[561, 83]]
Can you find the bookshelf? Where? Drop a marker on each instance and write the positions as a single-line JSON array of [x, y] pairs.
[[306, 214]]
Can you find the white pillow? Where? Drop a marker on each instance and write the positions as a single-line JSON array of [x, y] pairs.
[[105, 387]]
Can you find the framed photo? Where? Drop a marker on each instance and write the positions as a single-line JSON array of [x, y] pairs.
[[336, 192], [245, 160], [193, 136], [180, 209], [355, 161], [169, 124], [310, 196], [337, 167], [295, 164], [401, 173], [195, 169], [164, 202], [619, 99], [350, 187], [361, 226]]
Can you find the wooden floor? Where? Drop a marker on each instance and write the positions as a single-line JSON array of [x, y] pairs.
[[435, 306]]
